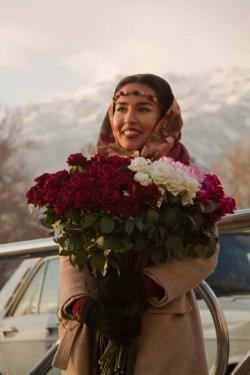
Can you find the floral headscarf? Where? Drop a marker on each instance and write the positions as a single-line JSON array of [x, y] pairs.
[[163, 141]]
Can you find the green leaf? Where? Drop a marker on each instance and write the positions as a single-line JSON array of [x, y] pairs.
[[174, 244], [98, 262], [74, 216], [139, 222], [88, 219], [189, 220], [107, 224], [100, 242], [152, 216], [172, 199], [73, 260], [155, 257], [141, 242], [74, 244], [204, 238], [126, 243], [60, 241], [48, 221], [171, 216], [200, 250], [152, 231], [113, 264], [209, 208], [162, 232], [129, 226], [212, 246], [199, 219], [58, 230], [118, 245], [64, 252]]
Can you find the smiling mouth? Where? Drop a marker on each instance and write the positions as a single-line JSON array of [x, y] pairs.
[[131, 133]]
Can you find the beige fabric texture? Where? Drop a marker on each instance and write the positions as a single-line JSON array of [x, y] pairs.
[[171, 340]]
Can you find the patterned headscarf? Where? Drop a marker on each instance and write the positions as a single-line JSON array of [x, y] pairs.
[[163, 141]]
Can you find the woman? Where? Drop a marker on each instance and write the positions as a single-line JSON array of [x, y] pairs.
[[144, 119]]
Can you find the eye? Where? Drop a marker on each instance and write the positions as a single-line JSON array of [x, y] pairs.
[[121, 109], [144, 109]]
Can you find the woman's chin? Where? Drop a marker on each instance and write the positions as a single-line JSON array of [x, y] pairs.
[[131, 145]]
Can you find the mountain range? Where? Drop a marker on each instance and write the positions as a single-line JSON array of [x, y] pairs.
[[215, 109]]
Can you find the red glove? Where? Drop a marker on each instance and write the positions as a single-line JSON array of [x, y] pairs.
[[75, 306], [152, 289]]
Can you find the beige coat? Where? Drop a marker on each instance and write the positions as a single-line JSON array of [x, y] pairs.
[[171, 341]]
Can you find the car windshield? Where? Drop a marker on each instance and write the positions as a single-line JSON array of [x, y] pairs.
[[232, 274]]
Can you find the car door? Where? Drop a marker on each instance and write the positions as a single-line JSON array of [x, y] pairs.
[[30, 327]]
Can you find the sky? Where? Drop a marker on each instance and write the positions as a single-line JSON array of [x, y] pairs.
[[52, 48]]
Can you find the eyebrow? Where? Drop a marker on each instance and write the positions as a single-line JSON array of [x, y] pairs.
[[139, 103]]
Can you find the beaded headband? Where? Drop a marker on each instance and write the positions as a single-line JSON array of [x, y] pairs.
[[150, 97]]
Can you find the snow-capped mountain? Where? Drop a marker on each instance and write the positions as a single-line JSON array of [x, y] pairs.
[[215, 107]]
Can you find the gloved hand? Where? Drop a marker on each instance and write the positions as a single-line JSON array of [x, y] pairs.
[[121, 290], [114, 322]]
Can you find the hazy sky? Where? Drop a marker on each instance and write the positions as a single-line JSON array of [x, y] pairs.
[[52, 47]]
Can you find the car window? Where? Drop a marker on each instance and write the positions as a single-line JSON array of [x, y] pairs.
[[50, 290], [30, 299], [232, 273]]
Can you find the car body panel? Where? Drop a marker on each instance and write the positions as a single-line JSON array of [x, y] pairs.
[[237, 316], [26, 335]]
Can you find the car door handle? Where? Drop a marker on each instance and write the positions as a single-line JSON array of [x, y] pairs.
[[9, 330]]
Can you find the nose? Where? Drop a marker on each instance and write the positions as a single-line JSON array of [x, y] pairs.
[[130, 117]]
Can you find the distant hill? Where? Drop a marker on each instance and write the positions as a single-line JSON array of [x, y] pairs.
[[215, 107]]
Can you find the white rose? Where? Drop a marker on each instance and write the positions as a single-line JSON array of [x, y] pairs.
[[176, 183], [160, 172], [187, 199], [139, 164], [191, 185], [143, 178]]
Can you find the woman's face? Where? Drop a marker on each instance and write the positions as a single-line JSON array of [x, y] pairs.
[[135, 117]]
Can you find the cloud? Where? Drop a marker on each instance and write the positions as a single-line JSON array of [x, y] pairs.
[[59, 45], [15, 47], [91, 65]]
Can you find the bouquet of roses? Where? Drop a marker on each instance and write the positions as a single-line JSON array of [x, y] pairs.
[[116, 214]]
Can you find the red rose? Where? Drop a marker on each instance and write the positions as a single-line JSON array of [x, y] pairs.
[[36, 196], [124, 179], [151, 195], [77, 159], [41, 180], [110, 200], [62, 204], [79, 188], [213, 217], [129, 207], [203, 197], [213, 186], [226, 205], [135, 190]]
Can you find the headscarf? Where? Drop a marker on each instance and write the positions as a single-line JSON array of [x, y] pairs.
[[163, 141]]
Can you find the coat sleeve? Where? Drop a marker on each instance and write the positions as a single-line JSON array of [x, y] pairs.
[[177, 277], [72, 285]]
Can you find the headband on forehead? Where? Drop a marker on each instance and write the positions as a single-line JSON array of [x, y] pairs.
[[150, 97], [168, 126]]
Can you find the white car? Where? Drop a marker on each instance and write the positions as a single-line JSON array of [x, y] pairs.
[[29, 302], [28, 320]]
